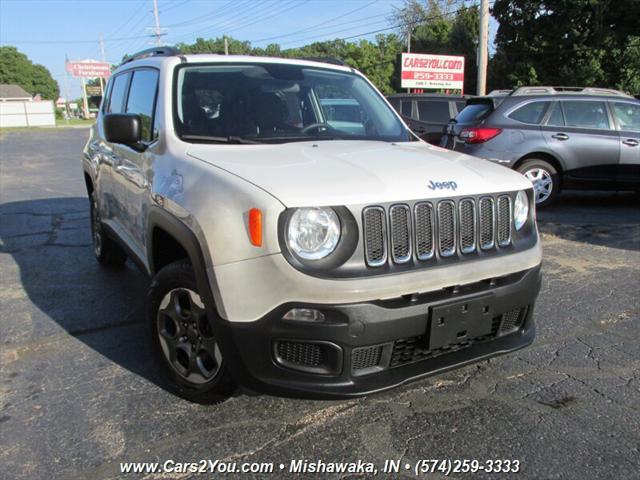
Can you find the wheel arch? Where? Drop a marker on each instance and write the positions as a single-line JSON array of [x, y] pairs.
[[88, 182], [179, 242], [546, 156]]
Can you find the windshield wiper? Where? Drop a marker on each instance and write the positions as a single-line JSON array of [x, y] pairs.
[[229, 139]]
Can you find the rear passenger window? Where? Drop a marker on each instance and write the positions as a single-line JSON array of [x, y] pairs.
[[585, 114], [405, 108], [142, 96], [628, 115], [437, 112], [530, 113], [460, 106], [118, 92], [556, 119]]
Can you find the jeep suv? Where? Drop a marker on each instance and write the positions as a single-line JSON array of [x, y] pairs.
[[296, 250], [573, 138]]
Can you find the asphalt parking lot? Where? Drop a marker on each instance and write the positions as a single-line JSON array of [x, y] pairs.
[[78, 394]]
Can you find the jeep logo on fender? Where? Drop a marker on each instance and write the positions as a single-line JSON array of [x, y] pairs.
[[451, 185]]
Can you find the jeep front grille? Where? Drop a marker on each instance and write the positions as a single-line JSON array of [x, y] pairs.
[[444, 227]]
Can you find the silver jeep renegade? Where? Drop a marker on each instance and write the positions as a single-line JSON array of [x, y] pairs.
[[300, 239]]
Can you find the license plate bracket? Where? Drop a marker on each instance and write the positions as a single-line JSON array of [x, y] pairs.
[[459, 321]]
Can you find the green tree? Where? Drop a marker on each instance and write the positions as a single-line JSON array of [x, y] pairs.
[[566, 42], [16, 68]]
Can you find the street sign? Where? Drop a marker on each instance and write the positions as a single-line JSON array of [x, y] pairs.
[[88, 69], [440, 72], [94, 91]]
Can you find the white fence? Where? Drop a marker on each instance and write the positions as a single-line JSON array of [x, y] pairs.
[[27, 114]]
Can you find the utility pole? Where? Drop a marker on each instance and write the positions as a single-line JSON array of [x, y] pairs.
[[483, 46], [226, 45], [408, 46], [156, 16], [104, 60]]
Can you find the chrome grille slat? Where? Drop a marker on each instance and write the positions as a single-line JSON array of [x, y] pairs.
[[423, 214], [446, 228], [442, 228], [487, 223], [375, 236], [467, 225], [400, 233], [504, 220]]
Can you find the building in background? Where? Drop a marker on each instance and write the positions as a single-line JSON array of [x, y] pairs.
[[18, 108]]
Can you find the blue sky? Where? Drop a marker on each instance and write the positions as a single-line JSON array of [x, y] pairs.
[[47, 30]]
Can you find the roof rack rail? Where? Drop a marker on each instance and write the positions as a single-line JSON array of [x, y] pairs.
[[496, 93], [542, 90], [331, 60], [152, 52]]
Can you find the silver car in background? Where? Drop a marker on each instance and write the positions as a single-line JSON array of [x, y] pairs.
[[559, 138]]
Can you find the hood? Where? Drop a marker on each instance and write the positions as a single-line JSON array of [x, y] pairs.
[[343, 172]]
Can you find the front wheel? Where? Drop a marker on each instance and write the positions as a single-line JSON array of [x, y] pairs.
[[182, 339], [545, 179]]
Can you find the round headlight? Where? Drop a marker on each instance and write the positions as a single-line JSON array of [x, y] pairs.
[[313, 233], [521, 210]]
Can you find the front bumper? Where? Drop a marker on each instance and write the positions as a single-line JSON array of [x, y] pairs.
[[362, 348]]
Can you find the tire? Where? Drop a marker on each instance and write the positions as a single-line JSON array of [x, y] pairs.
[[545, 178], [106, 250], [181, 338]]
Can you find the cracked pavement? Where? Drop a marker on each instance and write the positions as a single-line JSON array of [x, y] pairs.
[[78, 393]]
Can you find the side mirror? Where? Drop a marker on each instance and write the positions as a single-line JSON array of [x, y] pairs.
[[125, 128]]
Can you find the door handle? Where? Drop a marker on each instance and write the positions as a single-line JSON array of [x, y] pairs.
[[560, 136], [631, 142]]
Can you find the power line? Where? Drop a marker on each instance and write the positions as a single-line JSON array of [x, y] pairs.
[[315, 27]]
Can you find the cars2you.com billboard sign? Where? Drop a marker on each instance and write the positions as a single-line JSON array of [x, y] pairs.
[[432, 71]]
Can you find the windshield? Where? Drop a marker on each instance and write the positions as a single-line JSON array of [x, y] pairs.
[[276, 103]]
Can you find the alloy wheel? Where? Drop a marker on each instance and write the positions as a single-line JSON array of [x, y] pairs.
[[186, 338], [542, 183]]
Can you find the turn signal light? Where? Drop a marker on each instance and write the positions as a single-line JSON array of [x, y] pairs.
[[479, 134], [255, 226]]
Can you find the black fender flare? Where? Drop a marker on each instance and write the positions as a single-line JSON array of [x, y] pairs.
[[158, 217]]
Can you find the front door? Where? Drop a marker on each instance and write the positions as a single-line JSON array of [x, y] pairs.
[[135, 161]]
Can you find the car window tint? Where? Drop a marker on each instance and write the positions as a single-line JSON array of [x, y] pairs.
[[460, 106], [118, 92], [628, 115], [405, 108], [586, 114], [141, 99], [531, 113], [434, 111], [474, 112], [556, 119]]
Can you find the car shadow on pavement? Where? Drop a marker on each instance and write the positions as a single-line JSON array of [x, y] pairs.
[[607, 219], [49, 242]]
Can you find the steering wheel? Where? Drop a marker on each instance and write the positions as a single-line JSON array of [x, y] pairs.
[[314, 126]]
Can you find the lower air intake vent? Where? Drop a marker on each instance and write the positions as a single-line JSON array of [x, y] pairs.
[[299, 353], [365, 358], [511, 320], [320, 357]]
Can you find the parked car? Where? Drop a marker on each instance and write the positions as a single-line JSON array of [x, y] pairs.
[[559, 138], [427, 114], [294, 254]]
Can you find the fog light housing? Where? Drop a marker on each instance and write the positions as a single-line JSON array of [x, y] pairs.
[[304, 315]]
